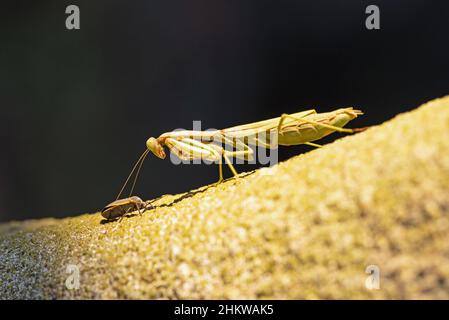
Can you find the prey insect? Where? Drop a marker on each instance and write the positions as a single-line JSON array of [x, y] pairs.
[[289, 129], [121, 207]]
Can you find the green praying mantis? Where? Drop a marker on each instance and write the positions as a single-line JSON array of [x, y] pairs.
[[289, 129]]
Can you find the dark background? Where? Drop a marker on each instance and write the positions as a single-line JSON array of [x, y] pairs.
[[76, 107]]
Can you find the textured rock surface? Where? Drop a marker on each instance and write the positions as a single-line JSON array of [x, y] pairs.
[[306, 228]]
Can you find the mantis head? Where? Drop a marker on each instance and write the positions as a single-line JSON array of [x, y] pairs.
[[154, 146]]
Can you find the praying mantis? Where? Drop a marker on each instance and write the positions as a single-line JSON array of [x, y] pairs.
[[289, 129]]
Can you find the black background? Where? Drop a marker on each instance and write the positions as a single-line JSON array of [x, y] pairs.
[[77, 106], [164, 309]]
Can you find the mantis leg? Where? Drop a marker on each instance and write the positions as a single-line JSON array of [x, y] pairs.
[[243, 149], [316, 145], [220, 171], [314, 123], [189, 149], [196, 149], [225, 155], [236, 154], [228, 162], [284, 116]]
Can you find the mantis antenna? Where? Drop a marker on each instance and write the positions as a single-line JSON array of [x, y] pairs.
[[138, 171], [138, 163]]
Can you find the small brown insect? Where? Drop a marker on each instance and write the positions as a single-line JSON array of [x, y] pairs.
[[120, 207]]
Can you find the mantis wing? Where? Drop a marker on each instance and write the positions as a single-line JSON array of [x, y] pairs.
[[262, 133]]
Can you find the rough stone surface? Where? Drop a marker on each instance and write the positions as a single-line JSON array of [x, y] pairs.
[[306, 228]]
